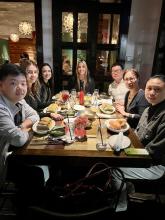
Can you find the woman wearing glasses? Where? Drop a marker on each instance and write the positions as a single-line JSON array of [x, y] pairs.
[[135, 101]]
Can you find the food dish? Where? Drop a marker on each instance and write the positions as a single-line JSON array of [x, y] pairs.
[[57, 96], [125, 141], [123, 129], [70, 113], [53, 107], [45, 110], [105, 116], [34, 128], [106, 108], [57, 131], [79, 107]]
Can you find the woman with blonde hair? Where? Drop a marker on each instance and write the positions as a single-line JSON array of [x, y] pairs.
[[82, 79]]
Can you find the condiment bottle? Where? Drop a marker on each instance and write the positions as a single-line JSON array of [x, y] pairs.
[[81, 95]]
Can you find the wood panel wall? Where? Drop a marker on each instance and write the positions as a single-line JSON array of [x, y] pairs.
[[23, 45]]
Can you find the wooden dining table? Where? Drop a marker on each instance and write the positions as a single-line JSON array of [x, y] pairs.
[[39, 151]]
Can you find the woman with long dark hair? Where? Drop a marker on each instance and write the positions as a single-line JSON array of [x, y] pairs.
[[45, 77]]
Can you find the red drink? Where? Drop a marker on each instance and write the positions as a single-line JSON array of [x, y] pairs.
[[65, 96]]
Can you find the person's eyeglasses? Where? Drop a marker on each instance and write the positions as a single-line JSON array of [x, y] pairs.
[[130, 79]]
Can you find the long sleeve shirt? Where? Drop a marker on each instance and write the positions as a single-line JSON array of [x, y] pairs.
[[136, 107], [10, 134], [151, 131]]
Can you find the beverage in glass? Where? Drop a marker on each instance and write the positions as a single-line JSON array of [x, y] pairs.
[[65, 95], [101, 138]]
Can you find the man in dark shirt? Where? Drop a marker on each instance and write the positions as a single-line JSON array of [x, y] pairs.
[[151, 132]]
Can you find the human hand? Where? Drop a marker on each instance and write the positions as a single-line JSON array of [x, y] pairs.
[[120, 108]]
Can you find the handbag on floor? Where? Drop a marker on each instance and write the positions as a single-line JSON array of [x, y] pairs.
[[90, 194]]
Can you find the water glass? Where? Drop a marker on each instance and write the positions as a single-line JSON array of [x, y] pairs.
[[69, 131], [95, 97], [96, 93], [79, 132], [101, 138]]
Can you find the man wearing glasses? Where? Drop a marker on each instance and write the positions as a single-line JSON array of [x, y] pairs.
[[117, 89]]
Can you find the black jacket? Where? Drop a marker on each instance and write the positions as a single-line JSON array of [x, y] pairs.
[[89, 88], [136, 107]]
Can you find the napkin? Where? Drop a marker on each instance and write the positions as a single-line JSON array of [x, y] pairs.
[[136, 151], [118, 144]]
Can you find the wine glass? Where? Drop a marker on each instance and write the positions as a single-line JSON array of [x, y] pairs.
[[73, 94], [65, 95], [95, 97]]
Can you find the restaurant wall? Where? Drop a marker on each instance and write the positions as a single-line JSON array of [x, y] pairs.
[[23, 45], [142, 36]]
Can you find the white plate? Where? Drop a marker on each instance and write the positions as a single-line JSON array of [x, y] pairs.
[[125, 141], [101, 115], [115, 130], [45, 110], [79, 107], [107, 112], [34, 128], [101, 101], [56, 97]]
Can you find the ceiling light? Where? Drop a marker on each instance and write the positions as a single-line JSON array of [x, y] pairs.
[[25, 28], [14, 37]]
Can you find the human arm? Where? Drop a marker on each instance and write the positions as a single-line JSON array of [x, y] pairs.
[[29, 116], [152, 133], [156, 147], [9, 133], [135, 108]]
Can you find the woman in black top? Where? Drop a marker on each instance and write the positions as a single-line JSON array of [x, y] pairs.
[[135, 101], [82, 79], [45, 77]]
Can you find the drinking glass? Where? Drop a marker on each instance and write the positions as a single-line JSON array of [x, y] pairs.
[[73, 96], [101, 138], [95, 97], [69, 131], [79, 132], [96, 93], [65, 95]]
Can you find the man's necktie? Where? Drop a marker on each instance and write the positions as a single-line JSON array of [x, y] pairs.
[[18, 116]]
